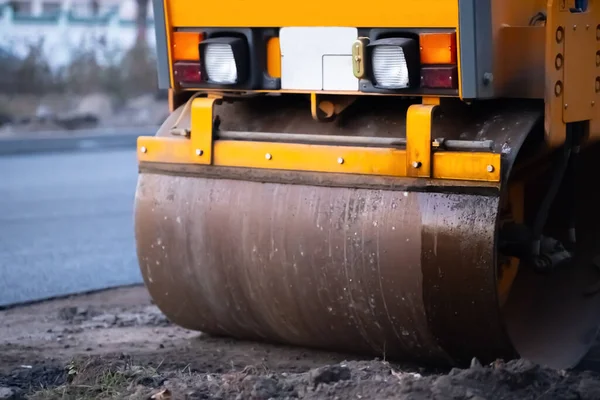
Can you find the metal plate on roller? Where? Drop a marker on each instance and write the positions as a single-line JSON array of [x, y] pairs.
[[364, 270]]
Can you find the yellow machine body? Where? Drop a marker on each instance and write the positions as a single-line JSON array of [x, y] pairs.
[[376, 180]]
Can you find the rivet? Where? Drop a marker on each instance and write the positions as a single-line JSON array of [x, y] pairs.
[[416, 164], [574, 27], [340, 160], [587, 26], [490, 168], [593, 103], [199, 152], [268, 156], [143, 149], [566, 106]]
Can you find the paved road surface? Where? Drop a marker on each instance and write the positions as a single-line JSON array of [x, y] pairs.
[[66, 223]]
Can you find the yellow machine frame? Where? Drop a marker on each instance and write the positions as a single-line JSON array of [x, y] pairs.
[[570, 59]]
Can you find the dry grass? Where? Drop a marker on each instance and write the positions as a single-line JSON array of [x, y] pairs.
[[95, 378]]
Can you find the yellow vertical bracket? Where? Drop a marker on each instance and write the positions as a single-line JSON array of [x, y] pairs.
[[418, 140], [202, 128], [572, 68]]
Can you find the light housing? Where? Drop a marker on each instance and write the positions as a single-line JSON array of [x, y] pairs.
[[439, 77], [438, 47], [225, 60], [394, 63], [187, 73], [185, 46]]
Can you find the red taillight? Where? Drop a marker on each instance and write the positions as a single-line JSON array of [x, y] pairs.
[[439, 77], [187, 72]]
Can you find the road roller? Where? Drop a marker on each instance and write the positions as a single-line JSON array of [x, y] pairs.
[[414, 181]]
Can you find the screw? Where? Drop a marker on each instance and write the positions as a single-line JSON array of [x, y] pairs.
[[566, 106], [416, 164], [268, 156], [574, 27], [490, 168], [340, 160], [488, 78], [587, 26], [199, 152], [143, 149]]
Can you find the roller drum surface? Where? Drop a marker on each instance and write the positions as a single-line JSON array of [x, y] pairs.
[[372, 271]]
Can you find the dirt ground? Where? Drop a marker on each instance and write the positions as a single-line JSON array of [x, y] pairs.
[[116, 344]]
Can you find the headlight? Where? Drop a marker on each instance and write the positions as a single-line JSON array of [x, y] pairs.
[[224, 60], [394, 63]]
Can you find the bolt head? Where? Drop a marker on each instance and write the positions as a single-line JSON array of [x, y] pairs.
[[268, 156], [490, 168], [143, 149], [199, 152], [340, 160], [416, 164]]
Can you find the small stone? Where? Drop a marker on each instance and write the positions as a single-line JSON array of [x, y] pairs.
[[329, 374], [475, 363], [7, 393]]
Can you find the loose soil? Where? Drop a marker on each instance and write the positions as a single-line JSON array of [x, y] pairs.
[[117, 344]]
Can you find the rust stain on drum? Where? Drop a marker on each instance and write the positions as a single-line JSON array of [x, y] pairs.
[[362, 270]]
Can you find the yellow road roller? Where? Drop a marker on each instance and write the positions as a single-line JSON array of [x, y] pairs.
[[408, 179]]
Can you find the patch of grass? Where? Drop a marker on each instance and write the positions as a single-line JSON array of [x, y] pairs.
[[96, 378]]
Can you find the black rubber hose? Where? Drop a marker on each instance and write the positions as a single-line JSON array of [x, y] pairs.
[[571, 184], [557, 177]]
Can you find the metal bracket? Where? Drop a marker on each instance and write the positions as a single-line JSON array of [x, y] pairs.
[[325, 108], [202, 127], [572, 67], [418, 140]]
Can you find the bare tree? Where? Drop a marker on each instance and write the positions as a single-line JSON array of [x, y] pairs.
[[142, 15]]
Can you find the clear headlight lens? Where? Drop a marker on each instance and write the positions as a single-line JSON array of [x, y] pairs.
[[220, 64], [390, 68]]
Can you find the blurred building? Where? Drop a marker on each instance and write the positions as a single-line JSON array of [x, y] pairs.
[[63, 29]]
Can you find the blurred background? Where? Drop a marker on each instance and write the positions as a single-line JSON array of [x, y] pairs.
[[78, 85], [72, 64]]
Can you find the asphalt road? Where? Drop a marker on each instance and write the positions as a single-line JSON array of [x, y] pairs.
[[66, 223]]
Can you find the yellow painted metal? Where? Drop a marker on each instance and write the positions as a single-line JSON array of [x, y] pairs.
[[202, 128], [555, 127], [318, 158], [571, 68], [580, 64], [269, 13], [466, 165], [274, 58], [200, 148], [431, 101], [523, 57], [170, 150], [305, 157], [418, 139]]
